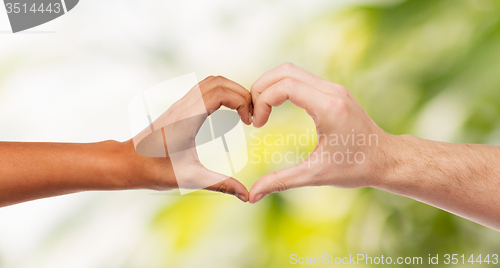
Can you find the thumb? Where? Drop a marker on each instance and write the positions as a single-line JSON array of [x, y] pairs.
[[278, 181], [229, 186]]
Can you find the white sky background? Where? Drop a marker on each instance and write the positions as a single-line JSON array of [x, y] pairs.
[[70, 80]]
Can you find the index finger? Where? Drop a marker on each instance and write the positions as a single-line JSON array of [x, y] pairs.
[[230, 89], [300, 94], [220, 81], [286, 70]]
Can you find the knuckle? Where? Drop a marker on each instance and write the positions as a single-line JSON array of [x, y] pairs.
[[219, 78], [339, 105], [287, 66], [341, 89], [255, 90], [279, 186], [218, 91], [222, 188], [248, 97], [289, 82]]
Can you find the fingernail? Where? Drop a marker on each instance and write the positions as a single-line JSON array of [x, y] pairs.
[[241, 197], [258, 198]]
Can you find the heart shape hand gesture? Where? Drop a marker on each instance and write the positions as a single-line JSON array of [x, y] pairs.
[[347, 152]]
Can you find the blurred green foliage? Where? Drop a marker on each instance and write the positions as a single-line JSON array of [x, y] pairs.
[[424, 67]]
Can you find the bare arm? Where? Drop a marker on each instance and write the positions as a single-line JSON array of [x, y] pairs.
[[460, 178], [36, 170]]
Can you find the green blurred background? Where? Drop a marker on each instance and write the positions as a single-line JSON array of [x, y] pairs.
[[430, 68]]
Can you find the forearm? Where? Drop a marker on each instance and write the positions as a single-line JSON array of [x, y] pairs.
[[37, 170], [461, 178]]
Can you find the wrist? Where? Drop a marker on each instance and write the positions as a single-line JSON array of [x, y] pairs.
[[128, 169], [141, 172], [392, 160]]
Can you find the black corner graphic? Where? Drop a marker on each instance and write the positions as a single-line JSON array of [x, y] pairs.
[[26, 14], [70, 4]]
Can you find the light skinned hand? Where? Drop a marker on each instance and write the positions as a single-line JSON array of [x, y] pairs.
[[335, 113]]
